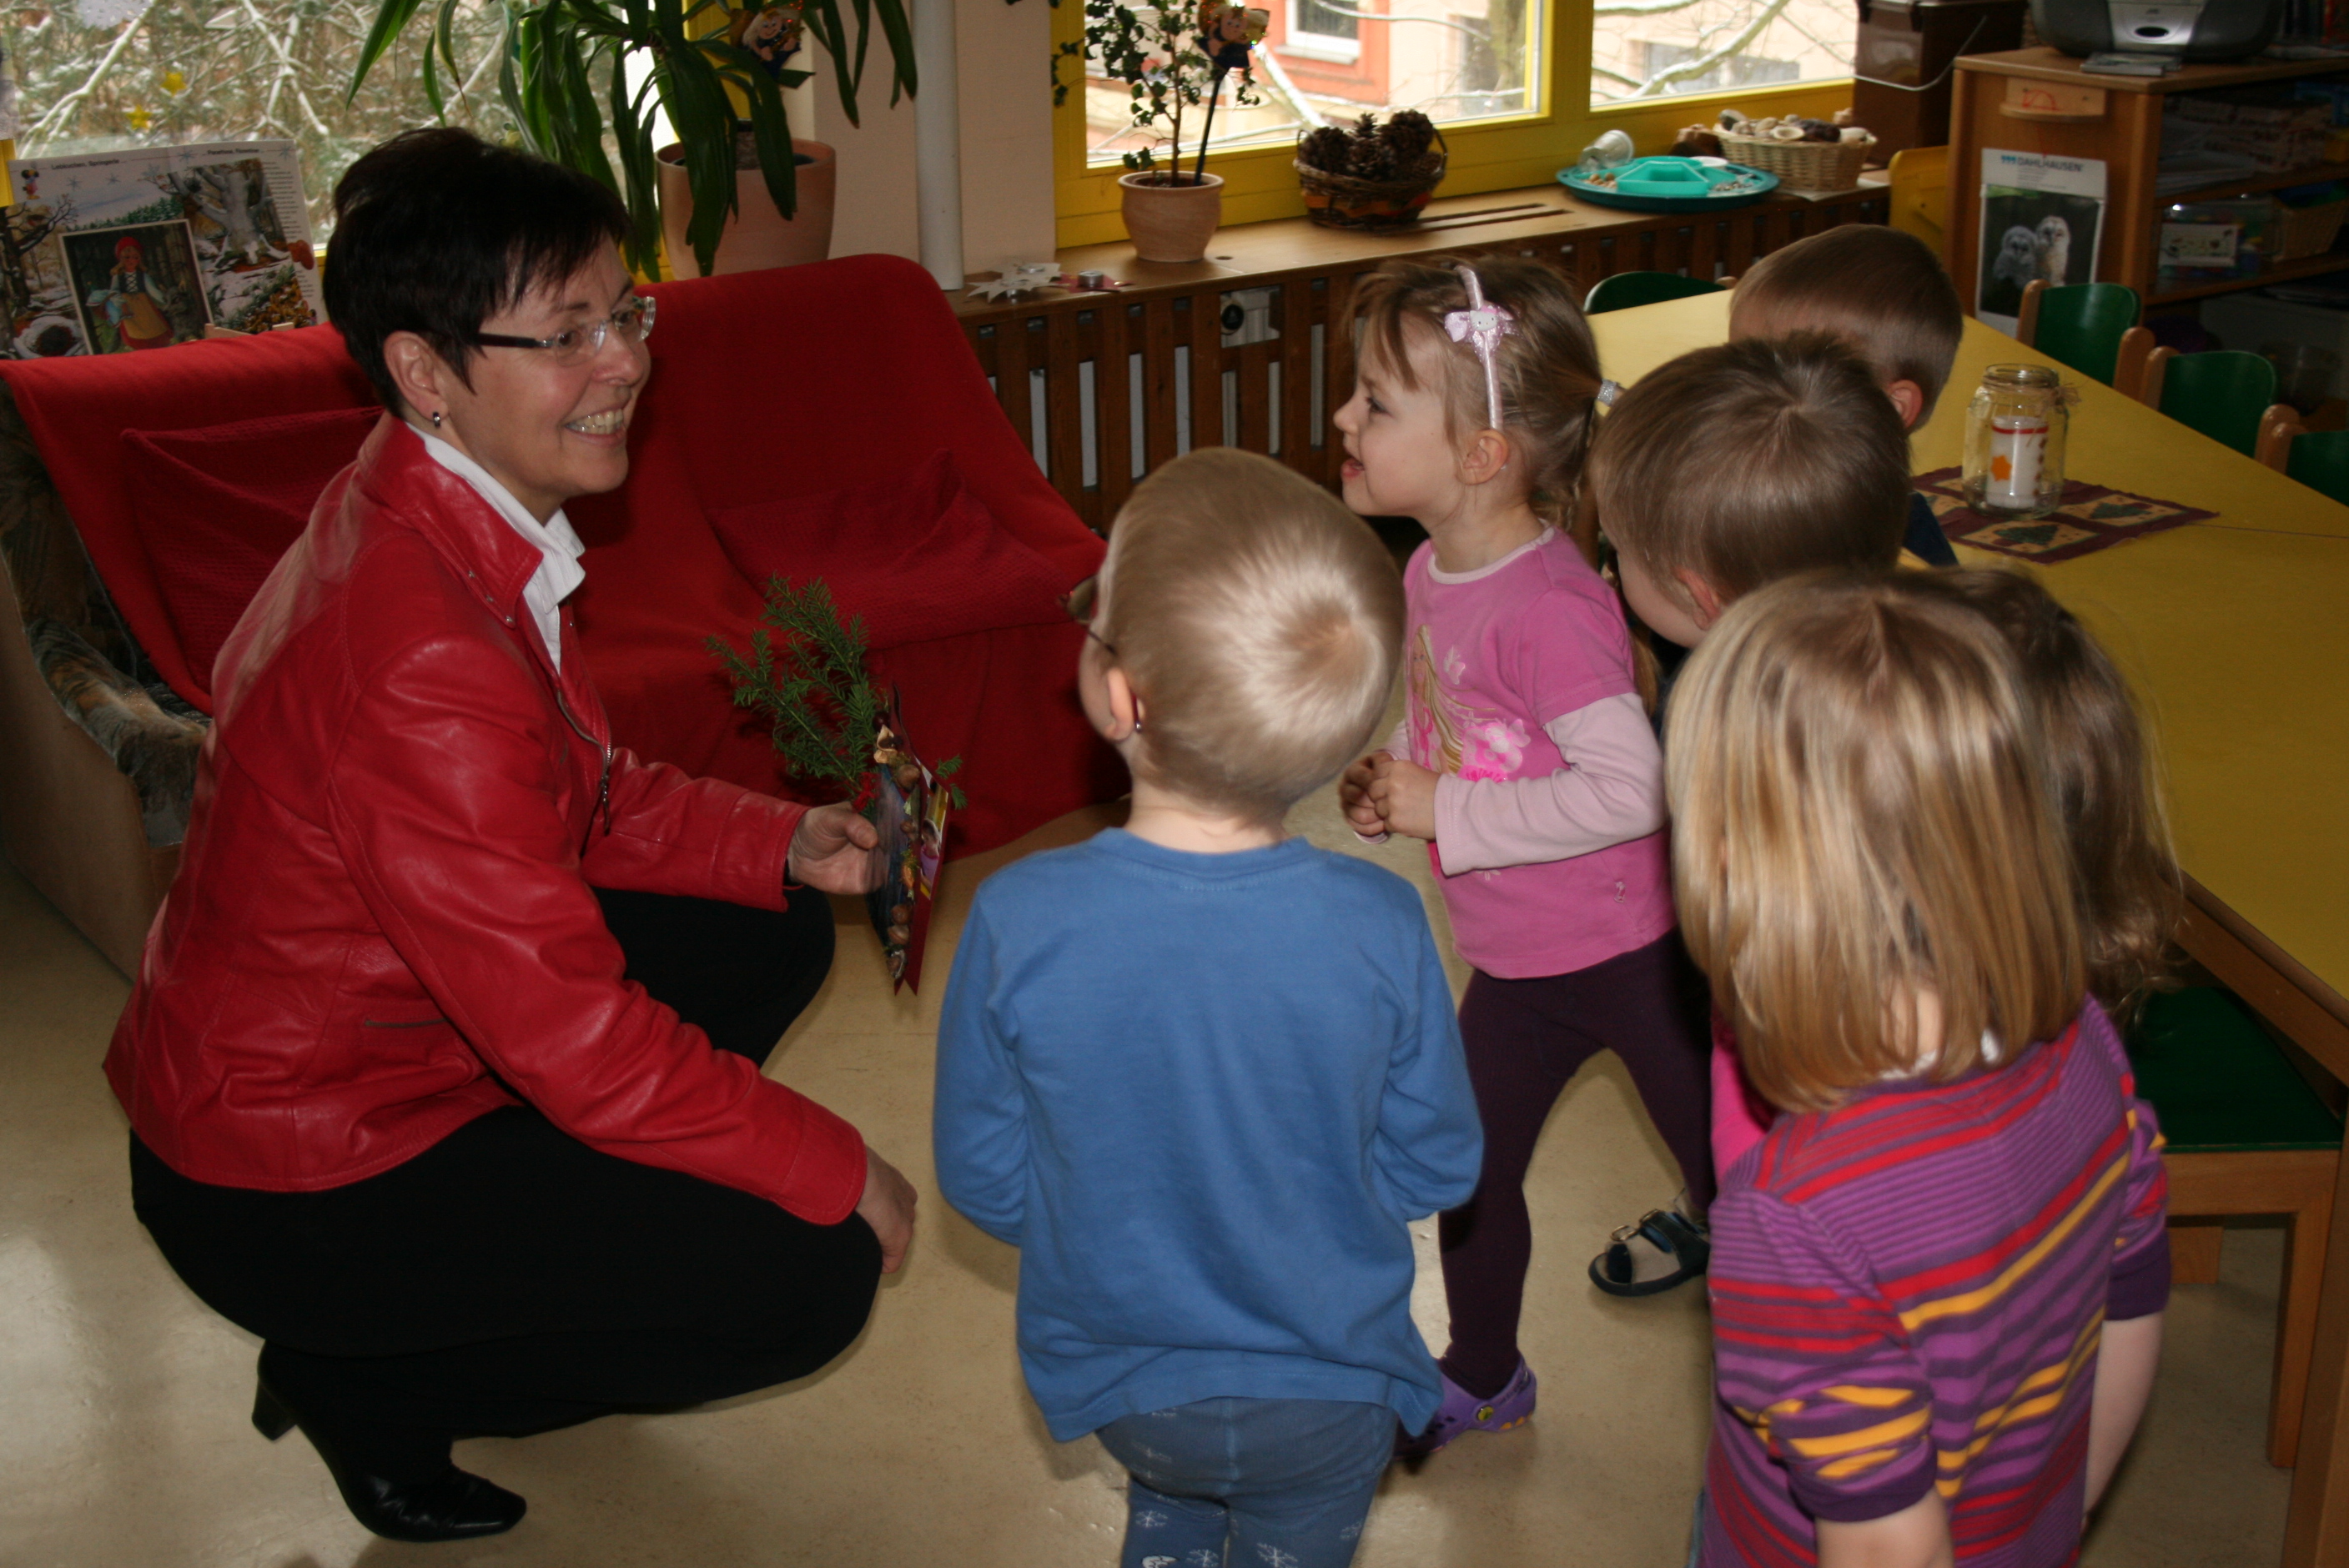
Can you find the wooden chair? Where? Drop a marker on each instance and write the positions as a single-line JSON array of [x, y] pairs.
[[1918, 179], [2084, 325], [2320, 459], [2245, 1135], [1625, 290], [2279, 427], [2224, 394]]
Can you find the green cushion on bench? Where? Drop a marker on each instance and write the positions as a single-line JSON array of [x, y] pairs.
[[2218, 1082]]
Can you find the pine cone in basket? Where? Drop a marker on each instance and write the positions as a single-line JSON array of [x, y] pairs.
[[1325, 149], [1409, 133], [1371, 160]]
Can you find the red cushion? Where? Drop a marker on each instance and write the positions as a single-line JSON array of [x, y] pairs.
[[216, 507], [76, 408], [914, 553]]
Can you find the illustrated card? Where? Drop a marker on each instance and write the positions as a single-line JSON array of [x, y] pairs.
[[136, 286], [909, 808]]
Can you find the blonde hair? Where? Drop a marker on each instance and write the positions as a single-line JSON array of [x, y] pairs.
[[1883, 292], [1260, 621], [2131, 893], [1548, 367], [1862, 820], [1749, 461]]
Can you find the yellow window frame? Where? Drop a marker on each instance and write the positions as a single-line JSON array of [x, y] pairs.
[[1503, 153]]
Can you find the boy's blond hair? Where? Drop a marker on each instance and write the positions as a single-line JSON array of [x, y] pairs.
[[1748, 461], [2109, 801], [1548, 366], [1259, 620], [1883, 292], [1862, 817]]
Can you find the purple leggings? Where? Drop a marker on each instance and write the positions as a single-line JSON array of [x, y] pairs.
[[1525, 1039]]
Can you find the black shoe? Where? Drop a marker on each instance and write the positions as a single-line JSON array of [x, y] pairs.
[[453, 1506]]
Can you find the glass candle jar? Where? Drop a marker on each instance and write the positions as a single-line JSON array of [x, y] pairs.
[[2014, 441]]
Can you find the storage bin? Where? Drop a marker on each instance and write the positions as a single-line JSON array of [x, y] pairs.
[[2304, 231]]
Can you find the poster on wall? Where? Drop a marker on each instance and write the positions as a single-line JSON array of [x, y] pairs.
[[2043, 217], [215, 233]]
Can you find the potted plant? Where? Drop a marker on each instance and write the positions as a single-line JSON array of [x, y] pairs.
[[564, 63], [1175, 58]]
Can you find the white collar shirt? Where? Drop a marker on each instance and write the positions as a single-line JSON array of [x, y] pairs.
[[559, 549]]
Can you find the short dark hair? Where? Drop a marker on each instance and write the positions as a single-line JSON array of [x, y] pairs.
[[1882, 290], [1753, 460], [435, 231]]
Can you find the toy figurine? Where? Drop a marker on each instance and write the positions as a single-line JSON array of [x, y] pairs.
[[771, 34]]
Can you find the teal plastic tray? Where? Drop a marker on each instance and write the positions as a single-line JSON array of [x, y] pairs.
[[1673, 185]]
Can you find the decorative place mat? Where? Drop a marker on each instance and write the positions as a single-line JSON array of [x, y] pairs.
[[2090, 518]]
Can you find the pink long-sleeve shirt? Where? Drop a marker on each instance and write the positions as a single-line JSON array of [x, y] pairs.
[[1549, 812]]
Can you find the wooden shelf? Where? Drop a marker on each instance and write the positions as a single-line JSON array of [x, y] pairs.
[[1535, 218], [2046, 65], [2282, 272], [2316, 173]]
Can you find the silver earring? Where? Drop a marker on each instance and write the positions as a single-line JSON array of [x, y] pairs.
[[436, 418]]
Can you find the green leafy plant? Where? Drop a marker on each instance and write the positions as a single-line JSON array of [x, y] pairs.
[[564, 69], [1155, 51], [809, 678]]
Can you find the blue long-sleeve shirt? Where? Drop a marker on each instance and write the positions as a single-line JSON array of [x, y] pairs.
[[1204, 1094]]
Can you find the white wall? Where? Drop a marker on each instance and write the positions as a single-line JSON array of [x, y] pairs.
[[1007, 142]]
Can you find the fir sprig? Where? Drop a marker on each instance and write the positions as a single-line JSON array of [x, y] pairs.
[[809, 678]]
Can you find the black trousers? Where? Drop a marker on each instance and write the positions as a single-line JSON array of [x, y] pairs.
[[510, 1279]]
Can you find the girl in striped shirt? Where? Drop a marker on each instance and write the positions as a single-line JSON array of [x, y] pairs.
[[1937, 1281]]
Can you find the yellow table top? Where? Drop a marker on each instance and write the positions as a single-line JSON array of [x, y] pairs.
[[2114, 441], [2235, 631]]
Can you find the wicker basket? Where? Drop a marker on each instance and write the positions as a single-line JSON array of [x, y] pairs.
[[1343, 201], [2304, 231], [1800, 165]]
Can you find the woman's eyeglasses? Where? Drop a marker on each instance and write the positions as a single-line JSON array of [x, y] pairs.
[[633, 322], [1081, 602]]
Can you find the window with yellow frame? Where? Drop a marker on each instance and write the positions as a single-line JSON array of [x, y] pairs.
[[1519, 87]]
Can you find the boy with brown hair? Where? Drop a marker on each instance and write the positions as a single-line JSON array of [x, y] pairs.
[[1887, 297], [1719, 473], [1731, 466]]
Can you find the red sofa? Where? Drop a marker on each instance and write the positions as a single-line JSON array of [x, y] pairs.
[[830, 420]]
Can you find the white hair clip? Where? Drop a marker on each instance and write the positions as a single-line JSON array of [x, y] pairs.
[[1484, 325], [1608, 392]]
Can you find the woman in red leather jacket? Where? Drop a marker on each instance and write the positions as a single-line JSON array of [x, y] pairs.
[[442, 1067]]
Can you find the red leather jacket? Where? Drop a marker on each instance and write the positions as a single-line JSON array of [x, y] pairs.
[[383, 926]]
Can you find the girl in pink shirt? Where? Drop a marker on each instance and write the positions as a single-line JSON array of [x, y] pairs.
[[1527, 759]]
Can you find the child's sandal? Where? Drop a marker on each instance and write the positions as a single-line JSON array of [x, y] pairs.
[[1673, 1235]]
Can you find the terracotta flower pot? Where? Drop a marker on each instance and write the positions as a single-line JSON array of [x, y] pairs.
[[1172, 222], [759, 236]]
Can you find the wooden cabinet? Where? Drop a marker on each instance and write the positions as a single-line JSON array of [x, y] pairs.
[[2040, 100]]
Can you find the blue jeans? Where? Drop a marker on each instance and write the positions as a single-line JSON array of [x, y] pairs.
[[1255, 1483]]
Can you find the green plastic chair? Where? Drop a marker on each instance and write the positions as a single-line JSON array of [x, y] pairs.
[[1625, 290], [2082, 325], [2321, 461], [2223, 394], [2245, 1135]]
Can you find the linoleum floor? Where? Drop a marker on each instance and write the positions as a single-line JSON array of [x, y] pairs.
[[123, 1441]]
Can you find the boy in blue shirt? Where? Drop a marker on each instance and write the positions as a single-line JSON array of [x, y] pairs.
[[1201, 1074]]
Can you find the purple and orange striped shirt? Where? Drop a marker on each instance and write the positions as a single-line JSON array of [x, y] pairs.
[[1909, 1291]]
